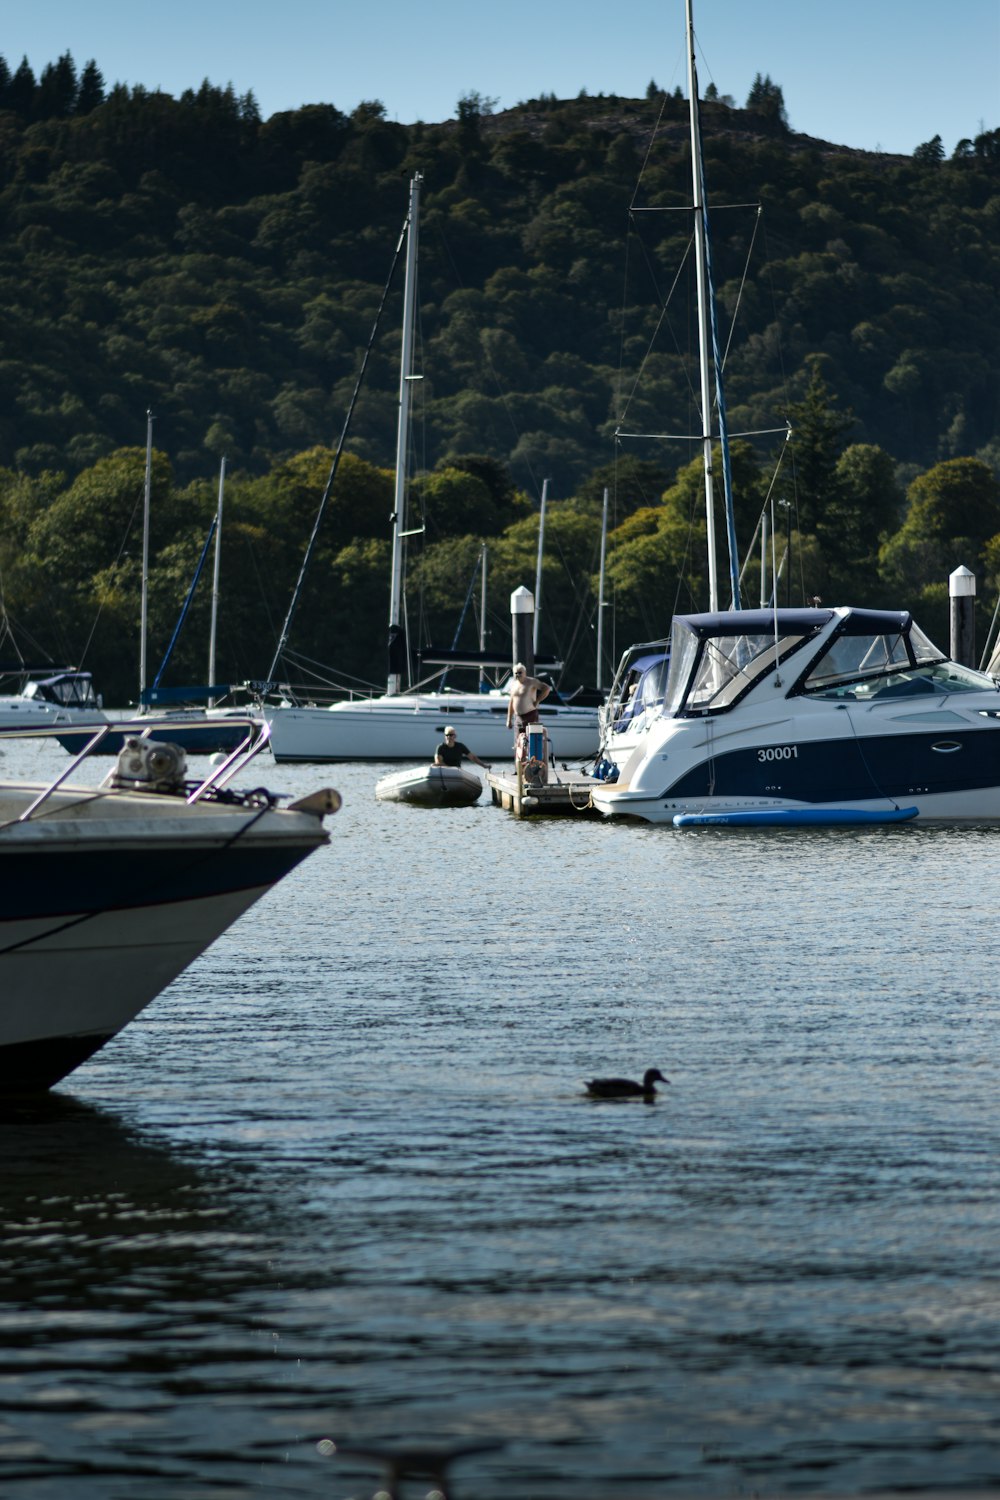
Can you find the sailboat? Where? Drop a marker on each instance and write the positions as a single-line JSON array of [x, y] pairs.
[[817, 716], [401, 725]]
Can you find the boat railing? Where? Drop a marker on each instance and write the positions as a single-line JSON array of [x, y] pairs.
[[257, 736]]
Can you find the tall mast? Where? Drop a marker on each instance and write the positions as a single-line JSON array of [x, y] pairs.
[[538, 565], [215, 579], [144, 605], [599, 684], [708, 339], [402, 428], [482, 619], [701, 272]]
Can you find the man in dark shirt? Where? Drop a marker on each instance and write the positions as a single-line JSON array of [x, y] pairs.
[[451, 751]]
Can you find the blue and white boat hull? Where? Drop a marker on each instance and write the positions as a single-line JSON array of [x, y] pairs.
[[108, 894], [863, 719]]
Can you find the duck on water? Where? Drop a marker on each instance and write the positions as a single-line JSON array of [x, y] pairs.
[[626, 1088]]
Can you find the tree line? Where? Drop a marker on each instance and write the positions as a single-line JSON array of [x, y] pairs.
[[840, 529]]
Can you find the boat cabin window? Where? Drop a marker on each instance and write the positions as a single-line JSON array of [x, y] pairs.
[[642, 690], [639, 685], [653, 686], [896, 664], [713, 672]]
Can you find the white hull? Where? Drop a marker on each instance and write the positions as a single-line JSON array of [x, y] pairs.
[[411, 727], [17, 712], [431, 786], [66, 698]]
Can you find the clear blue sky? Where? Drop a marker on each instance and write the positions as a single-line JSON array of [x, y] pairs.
[[878, 74]]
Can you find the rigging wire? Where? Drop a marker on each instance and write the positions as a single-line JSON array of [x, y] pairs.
[[187, 602], [663, 321], [311, 546]]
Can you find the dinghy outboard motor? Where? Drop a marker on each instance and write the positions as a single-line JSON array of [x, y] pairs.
[[150, 766]]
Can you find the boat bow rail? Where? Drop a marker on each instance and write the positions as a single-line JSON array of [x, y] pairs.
[[108, 892]]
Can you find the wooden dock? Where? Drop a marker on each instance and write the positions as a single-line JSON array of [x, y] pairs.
[[563, 793]]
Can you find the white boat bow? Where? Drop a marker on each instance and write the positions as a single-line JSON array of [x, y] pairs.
[[107, 893]]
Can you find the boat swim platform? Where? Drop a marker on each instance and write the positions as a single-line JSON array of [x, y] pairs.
[[564, 793]]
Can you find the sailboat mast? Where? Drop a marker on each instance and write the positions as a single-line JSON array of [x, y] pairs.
[[701, 273], [215, 580], [144, 604], [538, 565], [482, 618], [395, 682], [599, 684]]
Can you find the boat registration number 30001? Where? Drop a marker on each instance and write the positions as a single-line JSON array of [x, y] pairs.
[[778, 752]]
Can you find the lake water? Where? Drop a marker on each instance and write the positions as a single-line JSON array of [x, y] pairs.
[[341, 1180]]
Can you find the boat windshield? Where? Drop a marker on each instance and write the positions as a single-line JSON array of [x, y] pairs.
[[710, 673], [639, 685], [68, 689], [891, 664]]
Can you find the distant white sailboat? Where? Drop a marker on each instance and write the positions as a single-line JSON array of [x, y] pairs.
[[406, 726]]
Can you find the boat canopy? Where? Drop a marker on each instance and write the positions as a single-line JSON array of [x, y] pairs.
[[797, 621], [717, 658], [68, 689]]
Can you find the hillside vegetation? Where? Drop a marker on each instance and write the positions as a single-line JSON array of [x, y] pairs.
[[188, 257]]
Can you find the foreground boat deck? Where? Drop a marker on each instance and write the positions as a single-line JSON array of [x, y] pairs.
[[566, 793]]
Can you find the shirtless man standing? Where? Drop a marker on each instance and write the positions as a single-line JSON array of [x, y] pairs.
[[525, 695]]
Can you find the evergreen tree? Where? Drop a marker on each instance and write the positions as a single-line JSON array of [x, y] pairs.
[[249, 108], [21, 91], [987, 146], [931, 151], [91, 91], [863, 511], [469, 111], [767, 102], [57, 90], [818, 432]]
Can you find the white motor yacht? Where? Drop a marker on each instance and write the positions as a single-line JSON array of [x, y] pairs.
[[812, 716]]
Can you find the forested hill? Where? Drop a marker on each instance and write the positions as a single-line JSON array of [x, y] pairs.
[[188, 256]]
